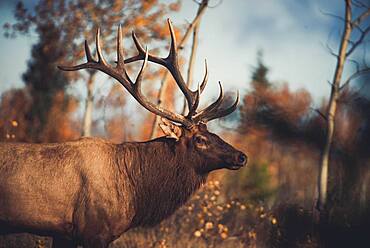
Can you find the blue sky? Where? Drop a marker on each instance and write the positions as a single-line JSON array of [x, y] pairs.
[[291, 33]]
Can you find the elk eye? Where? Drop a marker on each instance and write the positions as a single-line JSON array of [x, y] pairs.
[[199, 140]]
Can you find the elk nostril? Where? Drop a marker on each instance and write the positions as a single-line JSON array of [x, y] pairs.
[[242, 159]]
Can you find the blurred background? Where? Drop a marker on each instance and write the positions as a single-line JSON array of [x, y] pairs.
[[288, 59]]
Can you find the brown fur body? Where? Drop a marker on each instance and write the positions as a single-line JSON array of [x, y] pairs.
[[90, 191]]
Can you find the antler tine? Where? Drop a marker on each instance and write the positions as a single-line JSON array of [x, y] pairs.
[[88, 64], [88, 53], [101, 63], [173, 47], [141, 53], [172, 65], [120, 55], [98, 48], [211, 107], [196, 103], [205, 78], [137, 85], [218, 113]]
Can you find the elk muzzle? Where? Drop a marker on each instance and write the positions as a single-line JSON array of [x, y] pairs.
[[239, 159]]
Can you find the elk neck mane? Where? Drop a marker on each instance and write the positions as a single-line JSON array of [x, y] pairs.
[[162, 177]]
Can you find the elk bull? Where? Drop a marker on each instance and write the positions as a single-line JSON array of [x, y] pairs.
[[90, 191]]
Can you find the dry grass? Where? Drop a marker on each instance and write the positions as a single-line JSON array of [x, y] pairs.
[[209, 219]]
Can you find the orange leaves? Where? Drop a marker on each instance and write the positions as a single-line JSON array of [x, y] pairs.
[[278, 111], [175, 6], [117, 6], [148, 4], [16, 125], [145, 127], [140, 22], [59, 125], [292, 105], [160, 31], [116, 129], [14, 105]]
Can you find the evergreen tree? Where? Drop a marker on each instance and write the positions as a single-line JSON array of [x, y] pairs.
[[259, 74], [43, 80]]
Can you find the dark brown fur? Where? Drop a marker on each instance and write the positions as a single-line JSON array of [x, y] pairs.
[[91, 191]]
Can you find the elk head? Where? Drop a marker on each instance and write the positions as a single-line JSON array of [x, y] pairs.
[[190, 131]]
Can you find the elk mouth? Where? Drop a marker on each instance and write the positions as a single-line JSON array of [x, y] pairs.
[[234, 167]]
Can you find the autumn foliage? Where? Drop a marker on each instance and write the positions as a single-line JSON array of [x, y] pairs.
[[268, 204]]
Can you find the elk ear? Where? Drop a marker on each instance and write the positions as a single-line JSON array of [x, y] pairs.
[[170, 130]]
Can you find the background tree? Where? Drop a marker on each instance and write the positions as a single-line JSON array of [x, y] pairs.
[[47, 114], [46, 86], [259, 73], [271, 120], [348, 44]]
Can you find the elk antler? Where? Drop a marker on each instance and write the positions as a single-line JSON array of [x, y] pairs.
[[119, 73], [171, 63]]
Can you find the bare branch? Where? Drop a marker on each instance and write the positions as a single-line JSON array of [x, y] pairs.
[[361, 18], [319, 113], [191, 61], [216, 5], [360, 4], [332, 15], [364, 61], [358, 73], [330, 83], [355, 63], [351, 42], [330, 50], [200, 12], [359, 41], [327, 46]]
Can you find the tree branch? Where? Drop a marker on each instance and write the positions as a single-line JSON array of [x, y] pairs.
[[358, 42], [357, 22], [332, 15], [360, 4], [191, 60], [319, 113], [330, 50], [216, 5], [355, 75], [355, 63]]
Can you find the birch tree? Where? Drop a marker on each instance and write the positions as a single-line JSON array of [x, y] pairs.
[[349, 43]]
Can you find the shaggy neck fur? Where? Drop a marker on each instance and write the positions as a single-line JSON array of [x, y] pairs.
[[162, 176]]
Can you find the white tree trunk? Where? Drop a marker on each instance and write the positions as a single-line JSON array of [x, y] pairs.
[[89, 103], [191, 62], [332, 108]]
